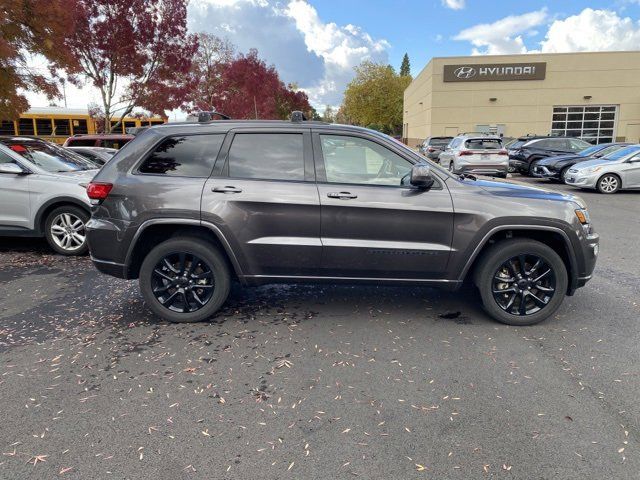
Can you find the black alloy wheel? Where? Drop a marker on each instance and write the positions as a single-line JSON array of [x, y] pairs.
[[524, 285], [185, 279], [521, 281], [182, 282]]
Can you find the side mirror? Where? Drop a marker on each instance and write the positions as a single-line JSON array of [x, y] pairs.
[[11, 168], [421, 176]]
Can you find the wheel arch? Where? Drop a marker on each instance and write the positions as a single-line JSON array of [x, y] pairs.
[[155, 231], [554, 237], [50, 205]]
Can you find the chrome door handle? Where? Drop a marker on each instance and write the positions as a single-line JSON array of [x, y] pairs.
[[342, 195], [226, 189]]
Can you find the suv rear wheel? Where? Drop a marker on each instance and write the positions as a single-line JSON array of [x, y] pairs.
[[65, 230], [521, 281], [184, 280]]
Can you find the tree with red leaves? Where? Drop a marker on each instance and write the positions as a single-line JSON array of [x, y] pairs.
[[137, 53], [36, 27], [245, 87]]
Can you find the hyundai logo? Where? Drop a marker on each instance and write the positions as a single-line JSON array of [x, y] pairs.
[[465, 72]]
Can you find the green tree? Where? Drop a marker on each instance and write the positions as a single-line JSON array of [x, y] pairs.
[[405, 68], [375, 97], [329, 114]]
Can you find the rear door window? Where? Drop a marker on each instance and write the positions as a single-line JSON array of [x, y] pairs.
[[184, 156], [267, 156]]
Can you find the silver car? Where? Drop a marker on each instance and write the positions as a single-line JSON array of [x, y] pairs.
[[43, 193], [619, 170], [481, 154]]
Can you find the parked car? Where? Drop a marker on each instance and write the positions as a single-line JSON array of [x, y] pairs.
[[116, 141], [97, 155], [43, 193], [617, 171], [556, 168], [482, 154], [526, 151], [433, 146], [258, 204]]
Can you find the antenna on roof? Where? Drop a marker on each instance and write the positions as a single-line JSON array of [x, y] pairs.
[[298, 116]]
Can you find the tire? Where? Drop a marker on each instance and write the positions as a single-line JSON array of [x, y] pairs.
[[608, 183], [563, 174], [532, 165], [191, 301], [491, 270], [65, 232]]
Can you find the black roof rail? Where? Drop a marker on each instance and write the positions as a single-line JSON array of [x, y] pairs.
[[298, 116], [208, 116]]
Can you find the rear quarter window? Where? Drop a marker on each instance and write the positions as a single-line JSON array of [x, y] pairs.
[[184, 156]]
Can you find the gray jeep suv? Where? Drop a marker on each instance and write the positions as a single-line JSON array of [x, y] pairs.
[[189, 207]]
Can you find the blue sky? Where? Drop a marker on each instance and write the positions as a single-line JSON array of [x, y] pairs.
[[317, 43]]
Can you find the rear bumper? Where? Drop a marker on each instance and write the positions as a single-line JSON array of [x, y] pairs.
[[500, 169], [114, 269]]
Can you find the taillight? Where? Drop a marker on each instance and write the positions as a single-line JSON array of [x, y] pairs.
[[98, 191], [464, 153], [431, 149], [503, 152]]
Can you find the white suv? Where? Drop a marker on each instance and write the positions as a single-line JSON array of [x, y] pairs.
[[43, 193], [481, 154]]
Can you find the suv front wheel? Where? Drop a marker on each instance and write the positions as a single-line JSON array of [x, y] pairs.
[[184, 280], [521, 281]]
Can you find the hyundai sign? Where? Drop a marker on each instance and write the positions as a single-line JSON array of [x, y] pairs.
[[491, 72]]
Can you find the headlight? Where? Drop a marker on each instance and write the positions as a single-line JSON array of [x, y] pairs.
[[591, 170]]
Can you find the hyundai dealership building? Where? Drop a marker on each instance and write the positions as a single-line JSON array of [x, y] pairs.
[[594, 96]]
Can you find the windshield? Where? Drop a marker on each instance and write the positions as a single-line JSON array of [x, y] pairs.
[[622, 153], [591, 150], [49, 156]]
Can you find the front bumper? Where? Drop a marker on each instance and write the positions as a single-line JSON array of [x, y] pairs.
[[542, 171], [578, 179], [519, 165]]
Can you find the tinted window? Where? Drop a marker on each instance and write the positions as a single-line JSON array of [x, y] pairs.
[[61, 126], [25, 126], [517, 144], [274, 156], [187, 156], [113, 143], [357, 160], [44, 126], [87, 142], [6, 127], [5, 158], [484, 144], [79, 126], [440, 142]]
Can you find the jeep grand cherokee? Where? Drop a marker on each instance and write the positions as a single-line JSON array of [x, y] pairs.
[[186, 208]]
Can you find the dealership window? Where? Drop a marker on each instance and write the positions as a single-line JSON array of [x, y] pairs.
[[594, 124]]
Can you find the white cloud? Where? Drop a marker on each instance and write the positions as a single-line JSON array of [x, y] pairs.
[[341, 49], [454, 4], [592, 30], [318, 56], [504, 36]]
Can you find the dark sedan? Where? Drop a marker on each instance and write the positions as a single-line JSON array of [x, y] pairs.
[[556, 167]]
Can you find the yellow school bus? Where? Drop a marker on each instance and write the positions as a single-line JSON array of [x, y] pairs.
[[56, 124]]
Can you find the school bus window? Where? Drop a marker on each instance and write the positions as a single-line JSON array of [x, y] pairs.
[[80, 127], [43, 125], [6, 127], [129, 125], [61, 127], [25, 127], [156, 122], [116, 130]]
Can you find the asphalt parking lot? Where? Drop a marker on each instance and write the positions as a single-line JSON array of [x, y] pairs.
[[319, 381]]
